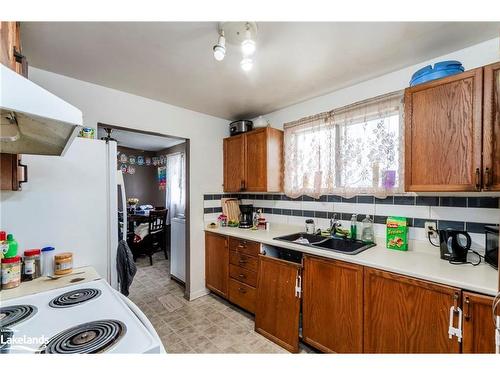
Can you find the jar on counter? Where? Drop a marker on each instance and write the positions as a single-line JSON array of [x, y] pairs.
[[63, 263], [47, 260], [11, 272], [31, 265], [310, 227]]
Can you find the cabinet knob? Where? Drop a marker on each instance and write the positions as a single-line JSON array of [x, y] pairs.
[[242, 290], [241, 276]]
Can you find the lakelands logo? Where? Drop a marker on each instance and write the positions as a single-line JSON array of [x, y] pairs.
[[22, 341]]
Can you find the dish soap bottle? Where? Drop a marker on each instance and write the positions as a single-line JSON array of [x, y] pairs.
[[354, 226], [367, 234]]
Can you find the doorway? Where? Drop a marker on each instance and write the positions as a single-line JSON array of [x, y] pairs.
[[153, 200]]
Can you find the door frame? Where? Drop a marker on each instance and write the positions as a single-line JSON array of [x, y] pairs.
[[187, 289]]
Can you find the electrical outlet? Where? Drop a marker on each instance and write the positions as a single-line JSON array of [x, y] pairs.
[[431, 229]]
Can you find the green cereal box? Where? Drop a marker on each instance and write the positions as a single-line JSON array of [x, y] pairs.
[[397, 233]]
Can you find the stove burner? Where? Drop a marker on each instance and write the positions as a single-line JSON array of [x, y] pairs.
[[75, 297], [15, 314], [92, 337]]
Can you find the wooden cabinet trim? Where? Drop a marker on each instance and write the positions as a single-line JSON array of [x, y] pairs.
[[491, 127]]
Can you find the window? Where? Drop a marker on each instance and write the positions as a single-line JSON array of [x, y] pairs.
[[353, 150]]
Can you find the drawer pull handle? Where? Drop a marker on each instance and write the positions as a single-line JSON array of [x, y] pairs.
[[242, 262], [241, 276], [242, 290]]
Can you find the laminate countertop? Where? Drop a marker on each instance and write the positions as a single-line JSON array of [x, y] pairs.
[[421, 261], [42, 284]]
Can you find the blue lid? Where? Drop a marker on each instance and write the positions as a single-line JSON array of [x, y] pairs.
[[48, 248], [440, 70], [452, 64]]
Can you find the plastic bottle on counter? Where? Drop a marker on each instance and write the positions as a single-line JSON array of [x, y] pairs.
[[12, 251], [11, 272], [367, 233], [354, 226], [31, 265], [48, 261]]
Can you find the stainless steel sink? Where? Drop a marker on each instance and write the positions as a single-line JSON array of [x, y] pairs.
[[340, 245]]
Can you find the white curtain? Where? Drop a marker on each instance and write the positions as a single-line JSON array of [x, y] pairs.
[[357, 149], [176, 200]]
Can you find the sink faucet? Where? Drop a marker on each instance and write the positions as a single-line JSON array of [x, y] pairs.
[[334, 224]]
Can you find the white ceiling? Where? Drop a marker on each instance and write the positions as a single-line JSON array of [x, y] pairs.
[[140, 141], [173, 62]]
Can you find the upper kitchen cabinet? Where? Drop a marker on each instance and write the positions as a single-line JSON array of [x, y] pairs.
[[443, 137], [253, 161], [491, 127], [10, 48]]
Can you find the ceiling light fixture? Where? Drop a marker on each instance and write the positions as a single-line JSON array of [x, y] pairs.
[[220, 47], [248, 45], [246, 64]]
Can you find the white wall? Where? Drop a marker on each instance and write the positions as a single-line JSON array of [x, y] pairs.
[[101, 104], [471, 57]]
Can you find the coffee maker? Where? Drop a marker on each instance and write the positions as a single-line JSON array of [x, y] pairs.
[[246, 216], [454, 245]]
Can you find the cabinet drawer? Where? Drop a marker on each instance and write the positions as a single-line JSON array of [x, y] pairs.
[[242, 295], [243, 275], [244, 246], [243, 260]]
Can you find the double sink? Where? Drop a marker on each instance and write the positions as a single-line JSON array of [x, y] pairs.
[[340, 245]]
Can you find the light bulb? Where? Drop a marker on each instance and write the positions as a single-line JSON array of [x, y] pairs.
[[248, 45], [220, 49], [246, 64]]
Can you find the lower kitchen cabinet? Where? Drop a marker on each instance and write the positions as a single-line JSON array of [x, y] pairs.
[[478, 325], [278, 302], [332, 305], [217, 264], [406, 315]]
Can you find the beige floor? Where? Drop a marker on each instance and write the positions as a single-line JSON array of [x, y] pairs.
[[206, 325]]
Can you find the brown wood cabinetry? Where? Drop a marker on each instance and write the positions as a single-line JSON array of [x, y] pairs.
[[278, 303], [406, 315], [478, 325], [217, 264], [253, 161], [491, 127], [332, 305], [13, 173], [10, 47], [443, 122]]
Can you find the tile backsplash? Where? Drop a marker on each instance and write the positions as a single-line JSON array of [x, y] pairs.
[[464, 213]]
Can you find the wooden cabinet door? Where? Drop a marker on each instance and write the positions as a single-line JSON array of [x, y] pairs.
[[277, 304], [256, 160], [406, 315], [234, 163], [443, 134], [478, 325], [8, 39], [12, 173], [491, 127], [332, 305], [216, 263]]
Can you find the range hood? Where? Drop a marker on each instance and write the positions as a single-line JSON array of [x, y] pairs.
[[33, 120]]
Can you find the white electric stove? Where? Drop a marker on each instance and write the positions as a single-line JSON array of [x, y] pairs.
[[89, 317]]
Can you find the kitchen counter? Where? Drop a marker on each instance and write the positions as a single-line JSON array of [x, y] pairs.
[[42, 284], [421, 261]]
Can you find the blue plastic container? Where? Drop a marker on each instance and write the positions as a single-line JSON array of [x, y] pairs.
[[440, 70]]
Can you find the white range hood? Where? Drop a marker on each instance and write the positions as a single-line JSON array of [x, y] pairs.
[[33, 120]]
